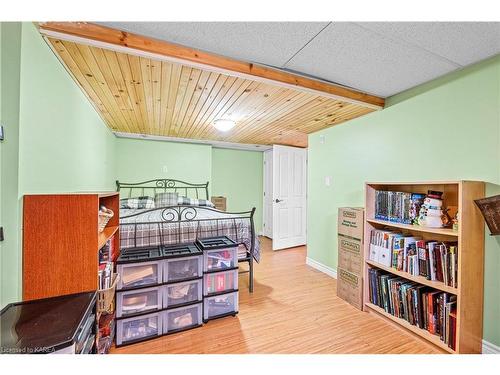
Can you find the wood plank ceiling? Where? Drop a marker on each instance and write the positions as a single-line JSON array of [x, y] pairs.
[[142, 95]]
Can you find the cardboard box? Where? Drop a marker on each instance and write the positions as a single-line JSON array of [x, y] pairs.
[[220, 203], [350, 254], [350, 287], [350, 222]]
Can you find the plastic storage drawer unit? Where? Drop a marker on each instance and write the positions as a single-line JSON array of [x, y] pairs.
[[220, 305], [182, 262], [220, 282], [219, 253], [139, 267], [137, 301], [182, 318], [139, 328], [56, 325], [182, 293]]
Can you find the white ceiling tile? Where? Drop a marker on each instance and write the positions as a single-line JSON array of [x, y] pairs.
[[354, 56], [270, 43], [381, 58], [461, 42]]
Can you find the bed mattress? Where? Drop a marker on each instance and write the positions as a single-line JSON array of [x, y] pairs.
[[160, 227]]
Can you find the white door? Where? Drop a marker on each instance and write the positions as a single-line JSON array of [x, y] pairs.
[[289, 196], [268, 194]]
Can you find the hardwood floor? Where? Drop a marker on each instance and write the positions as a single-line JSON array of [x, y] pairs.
[[294, 309]]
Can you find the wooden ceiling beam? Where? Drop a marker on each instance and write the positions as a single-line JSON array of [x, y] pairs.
[[101, 36]]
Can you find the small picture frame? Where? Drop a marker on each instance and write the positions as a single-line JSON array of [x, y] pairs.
[[1, 132]]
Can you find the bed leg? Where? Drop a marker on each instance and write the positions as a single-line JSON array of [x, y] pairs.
[[250, 275]]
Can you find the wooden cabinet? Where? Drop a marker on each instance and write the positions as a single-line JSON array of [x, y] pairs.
[[61, 242]]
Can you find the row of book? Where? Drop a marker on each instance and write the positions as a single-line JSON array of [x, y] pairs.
[[436, 261], [419, 305], [106, 257], [105, 275], [107, 252], [397, 206]]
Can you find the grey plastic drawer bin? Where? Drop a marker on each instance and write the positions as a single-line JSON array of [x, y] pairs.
[[219, 282], [131, 302], [136, 275], [179, 269], [182, 318], [182, 293], [138, 328], [220, 305], [220, 259]]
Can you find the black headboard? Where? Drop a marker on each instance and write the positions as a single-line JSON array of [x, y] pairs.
[[151, 187]]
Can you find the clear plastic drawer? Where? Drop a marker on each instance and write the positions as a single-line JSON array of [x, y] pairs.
[[179, 269], [138, 328], [220, 282], [182, 318], [216, 306], [138, 301], [85, 332], [182, 293], [220, 259], [89, 344], [133, 275]]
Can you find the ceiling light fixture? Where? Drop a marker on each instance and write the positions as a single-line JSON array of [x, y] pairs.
[[224, 125]]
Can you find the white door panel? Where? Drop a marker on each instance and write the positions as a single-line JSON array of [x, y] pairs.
[[289, 198]]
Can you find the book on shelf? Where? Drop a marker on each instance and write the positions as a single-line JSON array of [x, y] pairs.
[[107, 252], [436, 261], [414, 208], [419, 305], [105, 275], [397, 206]]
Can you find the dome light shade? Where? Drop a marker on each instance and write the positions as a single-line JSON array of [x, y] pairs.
[[224, 125]]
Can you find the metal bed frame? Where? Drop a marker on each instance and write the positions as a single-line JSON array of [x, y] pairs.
[[185, 213]]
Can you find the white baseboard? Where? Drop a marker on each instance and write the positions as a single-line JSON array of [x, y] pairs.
[[489, 348], [332, 272]]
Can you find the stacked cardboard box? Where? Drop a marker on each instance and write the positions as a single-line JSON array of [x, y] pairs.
[[220, 203], [350, 255]]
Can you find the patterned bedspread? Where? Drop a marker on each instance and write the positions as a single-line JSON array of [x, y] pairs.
[[152, 228]]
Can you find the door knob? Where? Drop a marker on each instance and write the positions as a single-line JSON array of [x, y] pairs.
[[278, 200]]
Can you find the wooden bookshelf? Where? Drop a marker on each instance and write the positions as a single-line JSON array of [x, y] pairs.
[[470, 238], [61, 242]]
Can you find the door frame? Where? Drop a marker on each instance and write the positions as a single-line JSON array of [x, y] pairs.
[[267, 191]]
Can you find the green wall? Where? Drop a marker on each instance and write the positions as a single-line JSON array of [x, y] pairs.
[[140, 160], [55, 140], [65, 146], [238, 175], [445, 130], [9, 200]]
